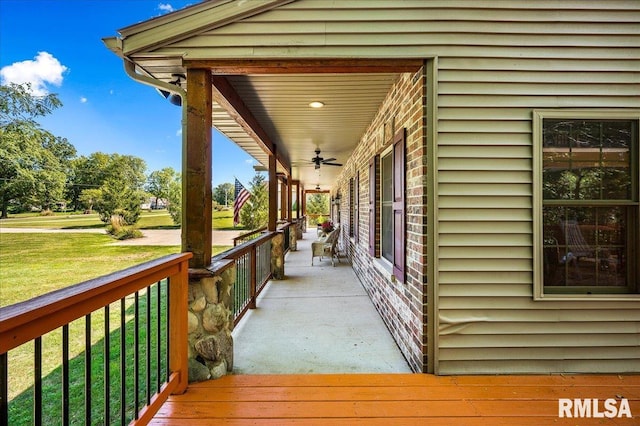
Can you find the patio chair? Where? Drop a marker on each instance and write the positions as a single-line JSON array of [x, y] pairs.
[[577, 246], [326, 246]]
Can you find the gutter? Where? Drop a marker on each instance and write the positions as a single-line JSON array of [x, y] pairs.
[[115, 45], [130, 69]]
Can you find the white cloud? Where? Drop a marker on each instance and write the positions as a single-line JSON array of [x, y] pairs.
[[179, 132], [83, 100], [166, 7], [42, 70], [249, 161]]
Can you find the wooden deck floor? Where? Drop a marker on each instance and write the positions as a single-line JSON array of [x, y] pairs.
[[395, 399]]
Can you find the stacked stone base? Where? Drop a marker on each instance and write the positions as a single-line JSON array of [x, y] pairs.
[[210, 324]]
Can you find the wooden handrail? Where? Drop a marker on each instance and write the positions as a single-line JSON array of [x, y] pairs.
[[29, 320], [235, 256], [24, 321], [243, 248], [247, 234]]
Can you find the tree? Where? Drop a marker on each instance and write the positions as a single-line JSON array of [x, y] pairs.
[[223, 194], [53, 175], [116, 198], [86, 173], [108, 173], [318, 204], [118, 179], [255, 212], [32, 160], [174, 198], [158, 183], [89, 197]]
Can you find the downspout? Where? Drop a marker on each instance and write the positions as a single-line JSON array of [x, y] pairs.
[[130, 69]]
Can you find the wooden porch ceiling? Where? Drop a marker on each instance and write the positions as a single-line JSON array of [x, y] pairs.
[[398, 399]]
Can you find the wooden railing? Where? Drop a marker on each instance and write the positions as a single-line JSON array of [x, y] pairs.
[[248, 236], [149, 349], [252, 260]]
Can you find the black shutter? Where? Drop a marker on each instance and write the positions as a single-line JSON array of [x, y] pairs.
[[398, 205], [356, 222]]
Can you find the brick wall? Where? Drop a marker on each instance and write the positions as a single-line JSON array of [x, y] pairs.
[[401, 305]]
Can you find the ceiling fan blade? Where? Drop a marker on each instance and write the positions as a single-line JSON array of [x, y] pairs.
[[332, 164], [328, 160]]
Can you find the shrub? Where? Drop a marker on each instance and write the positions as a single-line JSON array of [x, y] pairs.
[[118, 229]]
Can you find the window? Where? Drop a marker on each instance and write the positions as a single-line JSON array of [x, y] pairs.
[[392, 200], [589, 199], [386, 206]]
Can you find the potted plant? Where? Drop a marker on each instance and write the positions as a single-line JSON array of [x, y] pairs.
[[327, 226]]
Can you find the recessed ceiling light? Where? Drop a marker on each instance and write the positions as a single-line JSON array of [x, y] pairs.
[[316, 104]]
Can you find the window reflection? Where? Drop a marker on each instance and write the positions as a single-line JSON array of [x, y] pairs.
[[586, 159], [589, 202], [585, 246]]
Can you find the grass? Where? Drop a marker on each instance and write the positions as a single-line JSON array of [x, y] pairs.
[[157, 219], [33, 264], [21, 399]]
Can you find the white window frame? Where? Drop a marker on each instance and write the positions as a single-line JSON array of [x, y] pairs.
[[538, 275]]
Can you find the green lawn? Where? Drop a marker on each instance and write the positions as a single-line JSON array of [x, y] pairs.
[[21, 376], [158, 219], [32, 264]]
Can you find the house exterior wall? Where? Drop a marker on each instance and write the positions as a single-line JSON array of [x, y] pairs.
[[496, 62], [401, 304]]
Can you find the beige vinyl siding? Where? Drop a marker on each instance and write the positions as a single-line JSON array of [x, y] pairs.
[[488, 321], [497, 62]]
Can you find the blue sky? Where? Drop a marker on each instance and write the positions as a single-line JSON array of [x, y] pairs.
[[57, 44]]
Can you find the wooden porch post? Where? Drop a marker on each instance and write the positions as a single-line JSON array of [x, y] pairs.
[[196, 189], [297, 184], [283, 200], [289, 198], [273, 193]]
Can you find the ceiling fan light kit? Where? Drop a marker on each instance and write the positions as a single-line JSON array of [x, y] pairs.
[[318, 161]]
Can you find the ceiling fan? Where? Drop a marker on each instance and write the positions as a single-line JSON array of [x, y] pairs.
[[317, 160]]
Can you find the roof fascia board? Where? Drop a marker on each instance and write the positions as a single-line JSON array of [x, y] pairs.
[[307, 65], [187, 22]]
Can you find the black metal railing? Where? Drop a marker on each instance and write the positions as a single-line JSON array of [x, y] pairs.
[[248, 236], [118, 374], [285, 228], [252, 261]]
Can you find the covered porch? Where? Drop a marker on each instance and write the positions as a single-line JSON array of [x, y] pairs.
[[319, 319]]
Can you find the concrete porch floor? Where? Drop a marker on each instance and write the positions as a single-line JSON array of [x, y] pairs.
[[318, 320]]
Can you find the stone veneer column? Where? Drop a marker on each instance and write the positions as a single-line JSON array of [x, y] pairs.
[[277, 256], [293, 237], [211, 321]]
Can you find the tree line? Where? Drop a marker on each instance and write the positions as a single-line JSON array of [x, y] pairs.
[[39, 170]]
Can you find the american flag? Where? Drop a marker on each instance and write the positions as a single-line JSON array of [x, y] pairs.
[[241, 197]]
